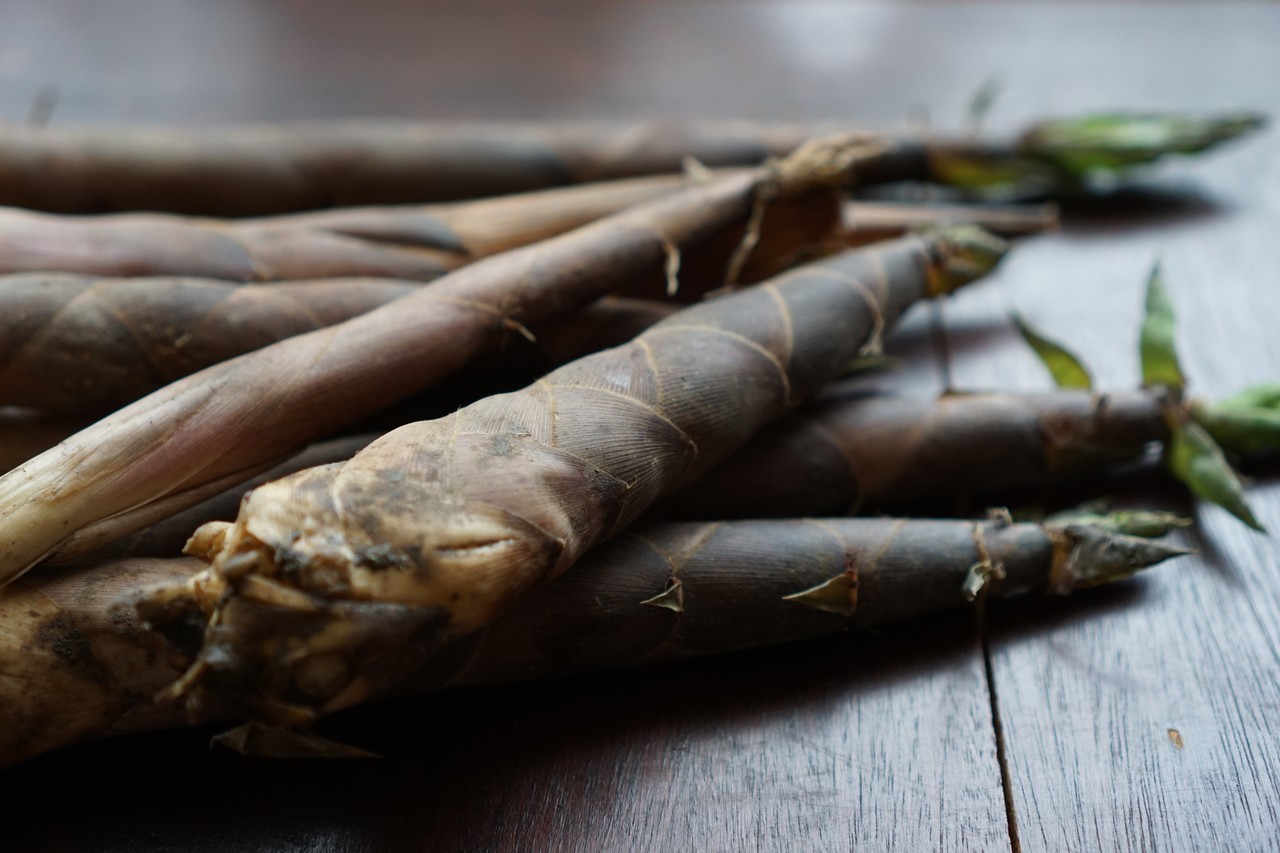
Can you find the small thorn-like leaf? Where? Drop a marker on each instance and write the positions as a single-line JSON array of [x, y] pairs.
[[1195, 458], [671, 598], [1066, 369], [839, 595], [976, 579], [1157, 347]]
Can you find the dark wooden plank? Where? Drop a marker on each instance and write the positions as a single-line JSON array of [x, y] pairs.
[[867, 741], [1152, 726]]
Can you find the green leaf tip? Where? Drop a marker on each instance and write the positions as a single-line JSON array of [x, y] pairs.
[[1115, 141], [1148, 524], [1264, 396], [1063, 365], [962, 254], [1248, 431], [1196, 459], [1156, 345]]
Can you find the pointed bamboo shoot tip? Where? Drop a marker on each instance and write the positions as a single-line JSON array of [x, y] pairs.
[[962, 253], [1094, 555]]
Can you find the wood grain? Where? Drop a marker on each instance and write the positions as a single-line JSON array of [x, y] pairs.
[[865, 741], [1153, 727], [883, 742]]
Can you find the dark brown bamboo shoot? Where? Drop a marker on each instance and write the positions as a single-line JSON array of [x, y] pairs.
[[869, 221], [885, 452], [73, 667], [666, 591], [239, 171], [418, 243], [271, 169], [229, 422], [874, 453], [76, 343], [72, 343], [334, 581]]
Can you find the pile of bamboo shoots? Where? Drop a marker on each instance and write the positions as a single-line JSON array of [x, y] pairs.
[[602, 419]]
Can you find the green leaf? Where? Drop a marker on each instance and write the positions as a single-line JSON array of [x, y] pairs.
[[995, 171], [1194, 458], [1114, 142], [1149, 524], [1239, 429], [1157, 347], [1264, 396], [981, 102], [1065, 368]]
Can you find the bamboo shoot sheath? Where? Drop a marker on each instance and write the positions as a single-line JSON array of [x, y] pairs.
[[333, 582], [74, 666], [229, 422]]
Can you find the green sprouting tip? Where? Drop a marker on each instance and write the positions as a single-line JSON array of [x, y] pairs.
[[1149, 524], [1264, 396], [1156, 344], [1196, 459], [964, 253], [995, 173], [1113, 142], [1245, 430], [1063, 365]]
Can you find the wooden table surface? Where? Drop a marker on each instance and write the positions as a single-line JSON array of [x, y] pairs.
[[1143, 717]]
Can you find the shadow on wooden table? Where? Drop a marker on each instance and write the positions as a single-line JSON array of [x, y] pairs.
[[458, 765], [1140, 207]]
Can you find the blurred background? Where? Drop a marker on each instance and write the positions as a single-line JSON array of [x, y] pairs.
[[140, 60]]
